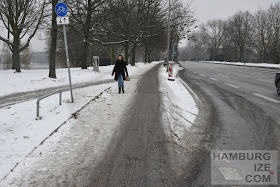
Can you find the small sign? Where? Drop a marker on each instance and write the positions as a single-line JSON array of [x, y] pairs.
[[62, 20], [61, 9]]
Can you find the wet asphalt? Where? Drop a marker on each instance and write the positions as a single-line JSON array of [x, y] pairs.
[[239, 119]]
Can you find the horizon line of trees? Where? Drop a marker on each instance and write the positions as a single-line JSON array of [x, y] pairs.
[[97, 28], [243, 37]]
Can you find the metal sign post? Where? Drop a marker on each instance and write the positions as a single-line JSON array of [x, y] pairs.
[[68, 64], [61, 10]]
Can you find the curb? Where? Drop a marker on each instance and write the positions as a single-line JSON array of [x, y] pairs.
[[242, 65]]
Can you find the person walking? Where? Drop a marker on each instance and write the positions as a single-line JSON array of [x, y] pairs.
[[119, 70]]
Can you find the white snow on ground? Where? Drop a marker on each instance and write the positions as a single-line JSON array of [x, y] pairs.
[[247, 64], [179, 106], [29, 80], [21, 133]]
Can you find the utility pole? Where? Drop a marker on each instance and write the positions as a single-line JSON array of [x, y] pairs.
[[173, 53], [168, 35]]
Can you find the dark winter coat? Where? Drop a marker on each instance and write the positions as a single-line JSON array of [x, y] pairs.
[[120, 68]]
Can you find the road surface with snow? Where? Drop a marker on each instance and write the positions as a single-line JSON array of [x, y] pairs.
[[144, 137]]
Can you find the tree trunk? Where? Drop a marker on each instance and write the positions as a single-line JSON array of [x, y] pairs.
[[145, 57], [52, 63], [112, 55], [146, 54], [13, 61], [86, 34], [126, 46], [149, 57], [242, 55], [16, 54], [13, 65], [236, 54], [276, 58], [84, 56], [16, 58], [215, 54], [133, 55]]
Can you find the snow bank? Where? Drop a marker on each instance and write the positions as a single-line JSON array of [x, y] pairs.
[[21, 132], [265, 65], [179, 107], [29, 80]]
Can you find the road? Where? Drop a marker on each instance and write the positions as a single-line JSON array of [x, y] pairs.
[[254, 84], [245, 113]]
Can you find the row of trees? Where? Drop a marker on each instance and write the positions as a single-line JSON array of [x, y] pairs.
[[97, 27], [244, 37]]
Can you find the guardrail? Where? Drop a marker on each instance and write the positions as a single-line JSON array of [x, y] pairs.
[[43, 97]]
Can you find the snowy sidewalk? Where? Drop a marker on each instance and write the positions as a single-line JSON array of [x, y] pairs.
[[30, 80], [31, 84], [65, 158], [20, 133]]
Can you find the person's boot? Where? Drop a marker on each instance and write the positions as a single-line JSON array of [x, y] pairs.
[[123, 89], [119, 90]]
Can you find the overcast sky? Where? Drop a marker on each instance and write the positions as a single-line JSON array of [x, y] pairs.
[[209, 9]]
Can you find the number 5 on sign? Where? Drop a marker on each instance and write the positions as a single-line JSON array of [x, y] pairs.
[[62, 20]]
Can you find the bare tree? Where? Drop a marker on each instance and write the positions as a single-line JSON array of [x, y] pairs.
[[213, 30], [130, 23], [274, 19], [84, 16], [196, 48], [124, 26], [244, 37], [21, 18], [182, 22], [262, 37], [240, 29]]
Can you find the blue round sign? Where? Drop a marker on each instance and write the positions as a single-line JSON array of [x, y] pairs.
[[61, 9]]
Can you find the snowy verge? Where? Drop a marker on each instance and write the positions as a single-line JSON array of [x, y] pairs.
[[21, 133], [178, 105], [29, 80], [182, 121], [262, 65]]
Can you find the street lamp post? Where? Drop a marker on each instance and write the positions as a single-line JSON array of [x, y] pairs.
[[173, 53], [168, 35]]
